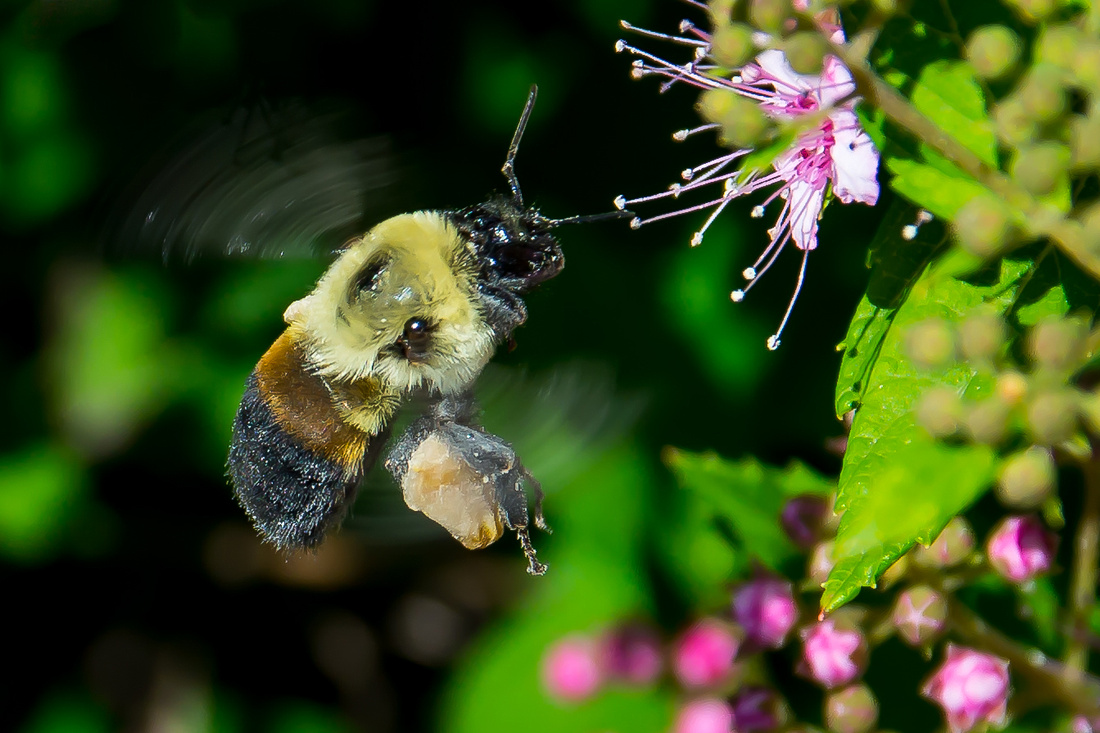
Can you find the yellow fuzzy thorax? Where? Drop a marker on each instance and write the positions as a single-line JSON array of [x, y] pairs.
[[430, 272]]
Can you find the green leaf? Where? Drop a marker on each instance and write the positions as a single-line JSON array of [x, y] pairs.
[[949, 95], [42, 488], [897, 485], [1040, 607], [931, 188], [896, 265], [748, 496]]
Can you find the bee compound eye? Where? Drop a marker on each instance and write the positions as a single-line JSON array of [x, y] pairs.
[[416, 339]]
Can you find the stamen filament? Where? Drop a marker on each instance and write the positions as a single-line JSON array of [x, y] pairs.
[[773, 341]]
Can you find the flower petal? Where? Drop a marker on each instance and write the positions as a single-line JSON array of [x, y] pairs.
[[774, 63], [855, 160], [835, 82], [805, 201]]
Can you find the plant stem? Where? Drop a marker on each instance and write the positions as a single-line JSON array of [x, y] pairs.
[[1086, 553], [1078, 691]]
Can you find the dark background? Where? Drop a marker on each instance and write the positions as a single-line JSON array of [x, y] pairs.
[[137, 598]]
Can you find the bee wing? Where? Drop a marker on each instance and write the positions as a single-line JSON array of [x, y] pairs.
[[558, 422], [261, 182]]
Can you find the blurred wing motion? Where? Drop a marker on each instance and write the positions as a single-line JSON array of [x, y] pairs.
[[262, 182]]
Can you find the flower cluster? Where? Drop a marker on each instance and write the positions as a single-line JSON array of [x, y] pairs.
[[830, 155]]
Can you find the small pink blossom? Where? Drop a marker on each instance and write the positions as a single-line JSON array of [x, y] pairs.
[[704, 716], [703, 656], [971, 687], [920, 615], [831, 157], [1021, 548], [765, 609], [832, 656], [571, 669], [756, 708], [632, 654]]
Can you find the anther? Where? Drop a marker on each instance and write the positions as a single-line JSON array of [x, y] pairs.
[[687, 173], [757, 212], [737, 296], [696, 239], [749, 273], [773, 343], [620, 202], [680, 135], [620, 46], [636, 223]]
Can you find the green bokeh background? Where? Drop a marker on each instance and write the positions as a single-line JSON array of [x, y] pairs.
[[137, 597]]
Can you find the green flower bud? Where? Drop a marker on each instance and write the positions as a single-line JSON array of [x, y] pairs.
[[1058, 45], [981, 336], [982, 226], [930, 343], [1032, 10], [743, 124], [920, 615], [1090, 225], [852, 709], [1043, 93], [953, 545], [1090, 412], [1026, 479], [732, 45], [806, 51], [888, 8], [1052, 416], [1039, 168], [1084, 143], [993, 51], [1011, 388], [987, 421], [769, 15], [1086, 65], [939, 411], [1058, 343], [1014, 125]]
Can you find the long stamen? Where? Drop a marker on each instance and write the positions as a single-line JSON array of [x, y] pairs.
[[638, 222], [626, 26], [681, 135], [776, 249], [697, 238], [773, 341]]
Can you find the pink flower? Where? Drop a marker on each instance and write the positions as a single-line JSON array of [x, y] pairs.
[[971, 687], [832, 157], [832, 656], [704, 716], [1021, 548], [765, 609], [632, 654], [571, 669], [920, 615], [802, 518], [703, 656]]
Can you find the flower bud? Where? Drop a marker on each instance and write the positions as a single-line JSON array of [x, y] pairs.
[[821, 562], [981, 336], [571, 669], [971, 687], [802, 518], [741, 122], [704, 716], [1090, 412], [982, 226], [1057, 45], [1021, 548], [832, 656], [732, 45], [953, 545], [992, 50], [1013, 123], [1026, 479], [930, 343], [1081, 724], [1084, 143], [1039, 168], [853, 709], [757, 708], [765, 610], [939, 411], [703, 655], [805, 51], [632, 654], [1032, 10], [1011, 388], [1052, 416], [1058, 343], [987, 421], [920, 615], [769, 15], [1043, 93], [1086, 65]]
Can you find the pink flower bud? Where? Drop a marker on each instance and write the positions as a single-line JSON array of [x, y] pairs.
[[765, 609], [802, 519], [920, 615], [1021, 548], [632, 654], [704, 716], [703, 656], [832, 656], [853, 709], [1081, 724], [756, 708], [821, 562], [953, 545], [571, 669], [971, 687]]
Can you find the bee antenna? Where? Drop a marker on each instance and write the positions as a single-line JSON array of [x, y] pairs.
[[589, 218], [509, 169]]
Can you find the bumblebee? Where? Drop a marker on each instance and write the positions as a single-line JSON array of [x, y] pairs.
[[415, 307]]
